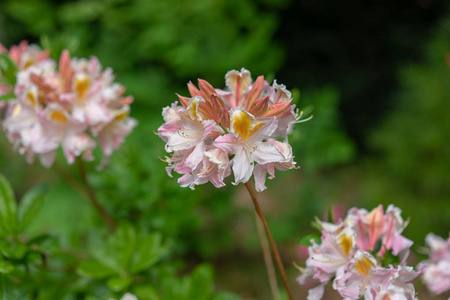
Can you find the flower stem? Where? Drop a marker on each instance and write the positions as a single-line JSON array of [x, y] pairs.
[[91, 195], [268, 260], [275, 253]]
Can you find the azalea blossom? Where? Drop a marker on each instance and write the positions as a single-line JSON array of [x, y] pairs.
[[351, 255], [71, 104], [436, 273], [241, 130], [361, 277], [379, 229]]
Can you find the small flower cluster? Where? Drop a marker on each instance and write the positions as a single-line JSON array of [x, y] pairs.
[[358, 253], [216, 131], [436, 273], [128, 296], [69, 104]]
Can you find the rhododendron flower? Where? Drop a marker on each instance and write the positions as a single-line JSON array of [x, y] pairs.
[[243, 128], [352, 252], [68, 105], [378, 227], [437, 268], [361, 277]]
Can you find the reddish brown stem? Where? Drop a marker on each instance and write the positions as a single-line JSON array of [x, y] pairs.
[[91, 195], [268, 260], [275, 253]]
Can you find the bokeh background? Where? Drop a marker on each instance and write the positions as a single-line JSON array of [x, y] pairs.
[[375, 75]]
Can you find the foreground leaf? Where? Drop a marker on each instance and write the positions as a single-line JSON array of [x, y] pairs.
[[30, 205], [8, 218]]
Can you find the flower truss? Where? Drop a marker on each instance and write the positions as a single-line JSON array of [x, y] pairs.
[[70, 104], [242, 130], [436, 274], [358, 255]]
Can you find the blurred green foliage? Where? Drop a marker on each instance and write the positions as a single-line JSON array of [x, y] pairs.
[[412, 158]]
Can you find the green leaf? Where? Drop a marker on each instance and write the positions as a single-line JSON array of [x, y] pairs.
[[8, 217], [145, 291], [44, 243], [4, 80], [306, 240], [13, 249], [6, 267], [94, 269], [148, 252], [7, 97], [117, 252], [331, 214], [30, 205], [201, 284], [8, 68], [174, 288], [119, 284]]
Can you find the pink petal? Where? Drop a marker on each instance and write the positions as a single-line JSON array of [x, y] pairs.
[[242, 167]]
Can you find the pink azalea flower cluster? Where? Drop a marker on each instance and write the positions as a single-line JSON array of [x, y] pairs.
[[70, 104], [242, 129], [436, 273], [353, 253]]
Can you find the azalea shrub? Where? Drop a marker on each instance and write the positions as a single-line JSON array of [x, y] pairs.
[[111, 223]]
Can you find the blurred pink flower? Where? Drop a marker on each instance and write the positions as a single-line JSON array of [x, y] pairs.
[[68, 107], [352, 252], [436, 273]]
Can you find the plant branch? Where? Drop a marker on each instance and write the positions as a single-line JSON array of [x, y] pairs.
[[91, 195], [275, 253]]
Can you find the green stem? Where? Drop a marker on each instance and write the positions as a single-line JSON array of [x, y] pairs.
[[92, 197]]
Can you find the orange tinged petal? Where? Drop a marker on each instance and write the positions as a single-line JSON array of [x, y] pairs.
[[277, 109], [255, 91], [183, 100], [206, 88], [259, 107], [64, 66], [40, 83], [192, 89]]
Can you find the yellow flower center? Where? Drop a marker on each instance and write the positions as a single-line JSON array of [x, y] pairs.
[[82, 84], [122, 115], [193, 107], [30, 96], [242, 123], [58, 116], [346, 242], [364, 265]]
